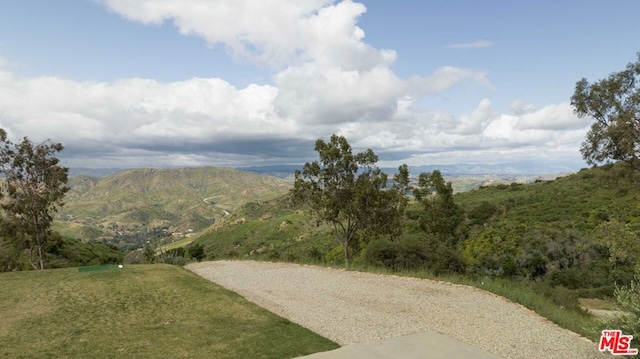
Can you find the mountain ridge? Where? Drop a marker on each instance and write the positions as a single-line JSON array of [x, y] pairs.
[[158, 202]]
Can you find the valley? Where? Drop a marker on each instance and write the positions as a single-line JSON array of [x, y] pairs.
[[133, 207]]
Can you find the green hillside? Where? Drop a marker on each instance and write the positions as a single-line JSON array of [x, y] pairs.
[[134, 206], [269, 230], [553, 232], [63, 252]]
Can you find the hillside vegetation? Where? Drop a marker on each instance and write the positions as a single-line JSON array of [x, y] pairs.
[[560, 236], [157, 311], [64, 252], [131, 207]]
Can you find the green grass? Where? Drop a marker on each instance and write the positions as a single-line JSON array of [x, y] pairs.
[[178, 244], [147, 311]]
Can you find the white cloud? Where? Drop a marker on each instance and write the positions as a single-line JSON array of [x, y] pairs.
[[328, 80], [329, 75], [263, 30], [137, 122], [273, 32], [331, 95], [520, 107], [135, 111], [477, 44], [445, 78], [553, 117], [476, 121]]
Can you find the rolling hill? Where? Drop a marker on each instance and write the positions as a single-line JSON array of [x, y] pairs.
[[150, 204]]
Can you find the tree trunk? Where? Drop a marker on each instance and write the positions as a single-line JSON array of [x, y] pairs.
[[41, 254], [30, 258], [345, 247]]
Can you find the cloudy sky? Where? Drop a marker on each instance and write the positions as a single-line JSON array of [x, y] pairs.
[[155, 83]]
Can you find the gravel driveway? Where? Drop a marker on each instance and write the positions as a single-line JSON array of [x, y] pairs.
[[352, 307]]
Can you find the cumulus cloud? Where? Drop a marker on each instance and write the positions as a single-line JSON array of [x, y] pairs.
[[141, 122], [260, 30], [326, 80], [272, 32], [477, 44], [476, 121], [137, 113], [553, 117]]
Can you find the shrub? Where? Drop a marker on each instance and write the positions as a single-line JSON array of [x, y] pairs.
[[196, 251], [382, 253], [315, 254], [405, 254], [291, 256], [481, 213], [603, 292], [628, 300], [559, 295], [274, 255]]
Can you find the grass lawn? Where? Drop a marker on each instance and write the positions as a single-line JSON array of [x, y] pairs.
[[142, 311]]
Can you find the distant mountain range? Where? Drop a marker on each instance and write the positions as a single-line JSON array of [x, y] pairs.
[[502, 170], [524, 168]]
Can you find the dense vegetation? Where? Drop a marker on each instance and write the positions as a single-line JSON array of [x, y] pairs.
[[550, 231]]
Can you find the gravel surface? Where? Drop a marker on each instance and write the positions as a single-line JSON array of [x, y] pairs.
[[351, 307]]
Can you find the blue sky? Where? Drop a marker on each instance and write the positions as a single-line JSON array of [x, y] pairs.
[[153, 83]]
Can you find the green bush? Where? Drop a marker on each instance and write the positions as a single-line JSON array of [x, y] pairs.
[[603, 292], [559, 295], [481, 213], [315, 254], [405, 254], [628, 300], [382, 253], [572, 278], [196, 251], [291, 256], [274, 255]]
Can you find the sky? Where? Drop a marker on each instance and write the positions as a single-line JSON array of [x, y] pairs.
[[180, 83]]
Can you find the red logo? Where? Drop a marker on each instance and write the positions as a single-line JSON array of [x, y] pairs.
[[617, 343]]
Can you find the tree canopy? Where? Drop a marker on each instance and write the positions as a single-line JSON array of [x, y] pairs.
[[345, 190], [614, 104], [33, 189], [441, 214]]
